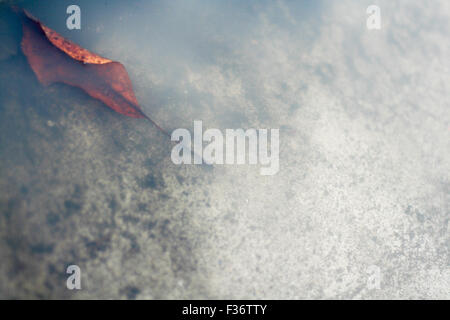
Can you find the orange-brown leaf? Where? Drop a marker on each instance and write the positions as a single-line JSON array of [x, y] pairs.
[[56, 59]]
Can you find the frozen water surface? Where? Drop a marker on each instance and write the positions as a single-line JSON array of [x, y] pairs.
[[363, 187]]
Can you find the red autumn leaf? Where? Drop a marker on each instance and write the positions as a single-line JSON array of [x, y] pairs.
[[56, 59]]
